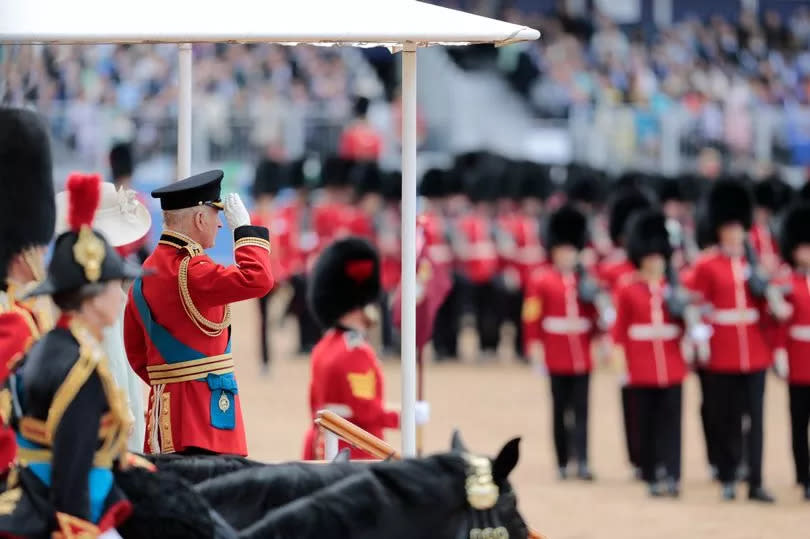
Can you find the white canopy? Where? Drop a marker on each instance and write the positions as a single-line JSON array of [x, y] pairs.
[[350, 22], [398, 24]]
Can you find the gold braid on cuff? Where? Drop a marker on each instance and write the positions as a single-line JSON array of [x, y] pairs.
[[252, 241], [212, 329]]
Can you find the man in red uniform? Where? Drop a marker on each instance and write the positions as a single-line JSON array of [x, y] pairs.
[[267, 182], [177, 319], [611, 271], [360, 140], [649, 339], [346, 377], [434, 189], [27, 220], [558, 327], [735, 373], [795, 247]]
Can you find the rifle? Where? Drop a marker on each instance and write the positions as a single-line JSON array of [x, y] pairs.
[[591, 293], [681, 306], [761, 286]]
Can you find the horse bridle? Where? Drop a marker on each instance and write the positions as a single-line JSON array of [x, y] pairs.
[[482, 496]]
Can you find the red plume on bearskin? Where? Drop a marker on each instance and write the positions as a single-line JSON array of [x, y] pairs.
[[84, 193]]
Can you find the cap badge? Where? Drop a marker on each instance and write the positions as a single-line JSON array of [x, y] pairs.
[[88, 251]]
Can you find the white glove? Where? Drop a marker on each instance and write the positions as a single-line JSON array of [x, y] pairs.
[[700, 333], [780, 362], [421, 412], [235, 212]]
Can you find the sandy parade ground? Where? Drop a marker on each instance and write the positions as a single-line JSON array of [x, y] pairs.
[[495, 400]]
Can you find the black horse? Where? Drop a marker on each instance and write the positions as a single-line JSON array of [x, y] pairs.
[[451, 495]]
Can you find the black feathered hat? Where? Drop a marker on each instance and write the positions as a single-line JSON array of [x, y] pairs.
[[795, 230], [346, 277], [28, 204], [82, 256], [773, 194], [729, 201], [622, 206], [269, 177], [567, 226], [433, 183], [647, 234], [121, 161]]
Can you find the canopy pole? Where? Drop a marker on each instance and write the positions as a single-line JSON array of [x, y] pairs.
[[407, 419], [184, 85]]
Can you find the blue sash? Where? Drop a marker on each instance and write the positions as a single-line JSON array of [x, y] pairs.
[[222, 386]]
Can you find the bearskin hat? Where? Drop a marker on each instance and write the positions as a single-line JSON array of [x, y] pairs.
[[584, 185], [365, 177], [392, 186], [670, 189], [729, 201], [622, 206], [28, 204], [433, 183], [346, 277], [795, 230], [647, 234], [335, 171], [304, 172], [535, 181], [269, 177], [567, 226], [773, 194], [121, 162]]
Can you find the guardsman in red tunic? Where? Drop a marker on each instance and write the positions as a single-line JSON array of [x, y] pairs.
[[610, 271], [795, 247], [435, 187], [27, 219], [649, 338], [475, 248], [266, 184], [346, 377], [331, 214], [558, 327], [177, 320], [736, 294]]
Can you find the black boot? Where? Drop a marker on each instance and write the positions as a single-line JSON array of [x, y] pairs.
[[807, 492], [759, 494], [584, 472], [729, 492]]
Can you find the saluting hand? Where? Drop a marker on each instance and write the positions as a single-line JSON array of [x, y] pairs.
[[235, 212]]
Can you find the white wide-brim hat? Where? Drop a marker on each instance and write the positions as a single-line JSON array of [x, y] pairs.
[[120, 217]]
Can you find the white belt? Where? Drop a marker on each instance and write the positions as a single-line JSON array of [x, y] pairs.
[[800, 333], [560, 325], [652, 332], [481, 250], [440, 253], [728, 317], [530, 255]]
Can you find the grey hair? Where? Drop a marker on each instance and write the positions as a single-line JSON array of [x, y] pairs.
[[72, 300]]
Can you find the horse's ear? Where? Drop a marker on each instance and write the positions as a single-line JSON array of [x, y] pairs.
[[506, 460], [456, 443], [342, 456]]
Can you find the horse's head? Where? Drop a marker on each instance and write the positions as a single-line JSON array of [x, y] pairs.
[[492, 502]]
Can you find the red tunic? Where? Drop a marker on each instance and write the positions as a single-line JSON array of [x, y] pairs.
[[554, 316], [766, 246], [436, 243], [611, 270], [360, 141], [477, 250], [346, 378], [737, 344], [796, 334], [524, 253], [18, 331], [185, 420], [389, 243], [649, 335]]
